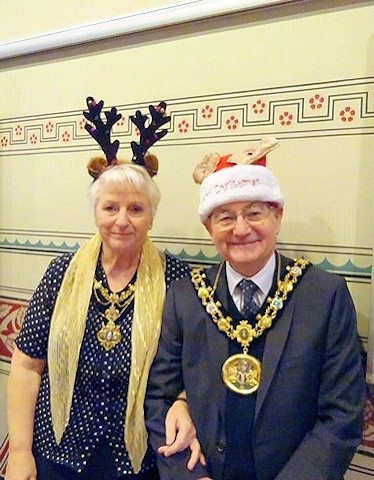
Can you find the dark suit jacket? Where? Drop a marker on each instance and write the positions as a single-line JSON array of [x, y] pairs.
[[309, 407]]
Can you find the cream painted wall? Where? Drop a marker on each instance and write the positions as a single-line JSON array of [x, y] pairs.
[[288, 57], [70, 23], [27, 20], [283, 54]]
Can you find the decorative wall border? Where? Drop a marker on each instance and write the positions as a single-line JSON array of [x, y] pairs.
[[354, 262], [341, 107], [38, 241]]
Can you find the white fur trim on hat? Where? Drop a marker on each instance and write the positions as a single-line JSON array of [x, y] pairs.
[[236, 184]]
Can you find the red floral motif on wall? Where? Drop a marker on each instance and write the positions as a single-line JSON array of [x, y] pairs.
[[258, 107], [18, 130], [347, 115], [207, 111], [232, 122], [12, 313], [33, 139], [121, 123], [316, 101], [49, 127], [286, 119], [183, 126]]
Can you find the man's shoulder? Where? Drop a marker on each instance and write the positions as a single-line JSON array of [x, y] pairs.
[[312, 270]]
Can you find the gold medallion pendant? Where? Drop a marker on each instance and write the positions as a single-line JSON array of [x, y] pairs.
[[241, 373], [110, 333]]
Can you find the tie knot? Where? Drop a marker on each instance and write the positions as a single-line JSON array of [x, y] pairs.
[[247, 287]]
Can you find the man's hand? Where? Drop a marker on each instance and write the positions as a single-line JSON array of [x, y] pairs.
[[180, 434]]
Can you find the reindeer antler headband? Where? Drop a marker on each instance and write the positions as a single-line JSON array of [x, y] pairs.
[[149, 135]]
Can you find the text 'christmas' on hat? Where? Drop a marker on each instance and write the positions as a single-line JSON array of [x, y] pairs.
[[237, 177]]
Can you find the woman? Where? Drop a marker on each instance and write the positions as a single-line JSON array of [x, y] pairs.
[[80, 367]]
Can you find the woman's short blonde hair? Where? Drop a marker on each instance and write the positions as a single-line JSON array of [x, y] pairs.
[[125, 173]]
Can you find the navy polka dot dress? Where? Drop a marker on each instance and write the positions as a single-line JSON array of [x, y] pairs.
[[99, 400]]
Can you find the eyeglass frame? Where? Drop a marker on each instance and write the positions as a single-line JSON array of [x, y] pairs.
[[228, 223]]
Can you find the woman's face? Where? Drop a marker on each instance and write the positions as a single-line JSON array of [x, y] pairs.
[[123, 216]]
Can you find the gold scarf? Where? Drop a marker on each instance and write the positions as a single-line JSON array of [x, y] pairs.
[[67, 330]]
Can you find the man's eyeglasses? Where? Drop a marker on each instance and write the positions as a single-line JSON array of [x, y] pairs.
[[253, 214]]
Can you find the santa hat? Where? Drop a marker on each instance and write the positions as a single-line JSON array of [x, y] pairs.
[[238, 177]]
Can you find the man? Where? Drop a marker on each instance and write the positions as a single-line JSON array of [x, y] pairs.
[[276, 392]]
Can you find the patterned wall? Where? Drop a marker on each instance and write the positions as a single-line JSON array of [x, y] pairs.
[[339, 109], [315, 113], [336, 109], [304, 76]]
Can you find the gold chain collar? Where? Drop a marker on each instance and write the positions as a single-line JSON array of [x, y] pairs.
[[110, 334], [244, 333], [241, 373], [112, 297]]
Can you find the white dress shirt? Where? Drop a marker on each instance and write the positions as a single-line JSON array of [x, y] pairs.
[[263, 279]]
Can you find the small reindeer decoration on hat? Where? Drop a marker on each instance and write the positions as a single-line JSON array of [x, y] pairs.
[[149, 135]]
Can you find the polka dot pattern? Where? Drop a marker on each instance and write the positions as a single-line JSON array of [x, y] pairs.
[[99, 400]]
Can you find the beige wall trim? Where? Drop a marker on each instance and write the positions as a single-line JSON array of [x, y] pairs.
[[190, 10]]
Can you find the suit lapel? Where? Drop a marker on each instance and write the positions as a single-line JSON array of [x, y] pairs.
[[222, 289], [275, 342], [218, 344]]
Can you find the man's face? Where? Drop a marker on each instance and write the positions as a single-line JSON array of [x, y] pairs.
[[245, 233]]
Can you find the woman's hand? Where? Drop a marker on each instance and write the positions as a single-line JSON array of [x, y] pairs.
[[180, 434], [23, 388], [21, 466]]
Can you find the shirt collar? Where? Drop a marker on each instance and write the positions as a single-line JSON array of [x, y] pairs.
[[263, 279]]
